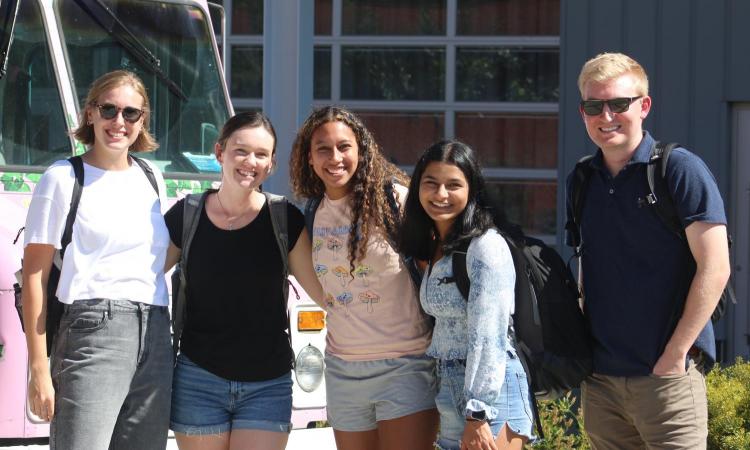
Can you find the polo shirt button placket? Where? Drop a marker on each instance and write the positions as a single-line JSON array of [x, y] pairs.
[[611, 191]]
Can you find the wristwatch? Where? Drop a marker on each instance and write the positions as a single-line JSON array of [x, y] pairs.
[[477, 416]]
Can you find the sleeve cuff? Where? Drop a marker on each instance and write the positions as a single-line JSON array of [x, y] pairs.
[[474, 405]]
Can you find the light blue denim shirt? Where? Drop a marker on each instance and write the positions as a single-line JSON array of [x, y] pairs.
[[475, 331]]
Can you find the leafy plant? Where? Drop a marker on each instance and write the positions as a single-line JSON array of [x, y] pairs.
[[562, 423], [728, 391]]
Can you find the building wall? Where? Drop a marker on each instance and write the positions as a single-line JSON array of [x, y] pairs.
[[696, 55]]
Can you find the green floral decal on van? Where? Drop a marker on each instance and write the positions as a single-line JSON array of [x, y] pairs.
[[19, 182], [25, 182]]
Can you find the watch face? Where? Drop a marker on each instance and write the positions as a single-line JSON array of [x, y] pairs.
[[478, 415]]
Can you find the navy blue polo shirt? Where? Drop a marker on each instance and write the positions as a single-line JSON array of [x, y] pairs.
[[637, 272]]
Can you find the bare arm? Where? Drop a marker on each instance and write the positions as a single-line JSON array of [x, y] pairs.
[[173, 256], [708, 244], [301, 266], [37, 262]]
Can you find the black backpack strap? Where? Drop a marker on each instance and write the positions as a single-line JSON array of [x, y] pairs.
[[409, 262], [277, 206], [149, 173], [659, 196], [75, 199], [311, 207], [460, 271], [192, 207], [578, 189]]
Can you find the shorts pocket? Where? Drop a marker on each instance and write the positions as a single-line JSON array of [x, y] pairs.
[[88, 321]]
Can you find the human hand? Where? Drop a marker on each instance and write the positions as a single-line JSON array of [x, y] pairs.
[[670, 363], [42, 395], [477, 436]]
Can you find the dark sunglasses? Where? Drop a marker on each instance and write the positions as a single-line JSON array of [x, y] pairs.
[[616, 105], [109, 111]]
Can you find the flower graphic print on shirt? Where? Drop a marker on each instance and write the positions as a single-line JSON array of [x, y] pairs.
[[347, 288]]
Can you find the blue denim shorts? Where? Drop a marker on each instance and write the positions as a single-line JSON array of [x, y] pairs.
[[513, 405], [203, 403], [361, 393]]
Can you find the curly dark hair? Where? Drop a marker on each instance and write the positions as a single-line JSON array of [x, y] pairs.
[[367, 187]]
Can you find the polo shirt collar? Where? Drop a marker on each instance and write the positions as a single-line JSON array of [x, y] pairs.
[[641, 156]]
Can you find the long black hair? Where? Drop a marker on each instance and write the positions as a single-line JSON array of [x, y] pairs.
[[417, 236]]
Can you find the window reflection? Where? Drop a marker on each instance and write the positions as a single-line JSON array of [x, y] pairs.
[[393, 73], [531, 204], [403, 136], [510, 140], [507, 75], [393, 17]]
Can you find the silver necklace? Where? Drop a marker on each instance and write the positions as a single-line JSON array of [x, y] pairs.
[[230, 219]]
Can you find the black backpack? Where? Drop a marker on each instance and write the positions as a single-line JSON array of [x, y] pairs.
[[658, 197], [193, 206], [548, 327], [54, 306]]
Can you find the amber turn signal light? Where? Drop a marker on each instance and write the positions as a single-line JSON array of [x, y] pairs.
[[311, 320]]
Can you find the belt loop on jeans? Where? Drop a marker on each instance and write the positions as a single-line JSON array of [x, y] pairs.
[[109, 309]]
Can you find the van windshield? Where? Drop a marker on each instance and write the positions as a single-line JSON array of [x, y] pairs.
[[171, 52], [32, 123]]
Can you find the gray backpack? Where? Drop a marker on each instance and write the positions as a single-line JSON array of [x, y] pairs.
[[190, 217]]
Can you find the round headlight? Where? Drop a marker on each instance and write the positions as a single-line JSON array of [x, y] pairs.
[[308, 368]]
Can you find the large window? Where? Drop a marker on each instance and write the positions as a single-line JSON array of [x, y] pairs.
[[177, 64], [33, 131], [482, 71]]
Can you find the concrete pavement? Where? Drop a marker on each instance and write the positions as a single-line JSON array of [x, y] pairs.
[[312, 439]]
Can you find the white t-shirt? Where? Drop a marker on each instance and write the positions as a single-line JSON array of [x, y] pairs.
[[119, 241]]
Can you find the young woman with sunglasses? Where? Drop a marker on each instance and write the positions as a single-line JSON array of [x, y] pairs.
[[232, 384], [108, 381], [483, 397], [380, 387]]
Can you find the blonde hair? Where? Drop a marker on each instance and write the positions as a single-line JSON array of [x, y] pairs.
[[607, 66], [145, 142]]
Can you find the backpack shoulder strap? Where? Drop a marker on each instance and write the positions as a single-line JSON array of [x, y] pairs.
[[75, 199], [191, 213], [460, 271], [149, 173], [578, 188], [311, 207], [409, 262], [277, 206], [659, 195], [192, 207]]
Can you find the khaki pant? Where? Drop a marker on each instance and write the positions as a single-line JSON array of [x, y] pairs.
[[647, 412]]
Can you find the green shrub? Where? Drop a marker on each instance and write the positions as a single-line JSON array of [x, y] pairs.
[[728, 391], [562, 423]]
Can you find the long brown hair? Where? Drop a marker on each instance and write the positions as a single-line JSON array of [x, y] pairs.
[[367, 199]]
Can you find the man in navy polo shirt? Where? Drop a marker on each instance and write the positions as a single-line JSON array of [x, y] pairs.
[[648, 295]]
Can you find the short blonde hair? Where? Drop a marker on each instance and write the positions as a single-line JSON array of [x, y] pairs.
[[607, 66], [145, 142]]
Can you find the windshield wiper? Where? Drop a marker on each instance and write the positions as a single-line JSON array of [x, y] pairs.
[[108, 20], [6, 34]]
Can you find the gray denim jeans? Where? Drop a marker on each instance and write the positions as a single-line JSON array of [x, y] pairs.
[[112, 373]]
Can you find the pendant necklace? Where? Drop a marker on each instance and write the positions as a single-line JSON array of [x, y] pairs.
[[230, 219]]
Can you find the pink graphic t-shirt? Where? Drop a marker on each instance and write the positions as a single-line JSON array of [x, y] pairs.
[[373, 312]]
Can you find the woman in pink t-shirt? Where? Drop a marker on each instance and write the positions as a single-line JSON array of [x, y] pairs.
[[380, 385]]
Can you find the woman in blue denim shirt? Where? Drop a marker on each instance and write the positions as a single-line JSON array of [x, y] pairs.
[[484, 397]]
